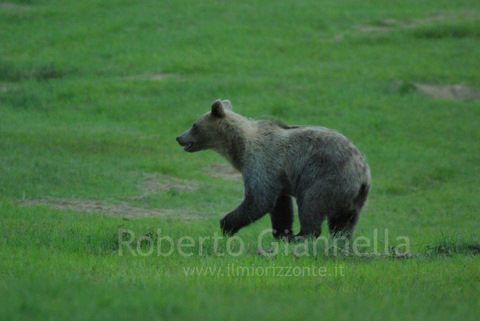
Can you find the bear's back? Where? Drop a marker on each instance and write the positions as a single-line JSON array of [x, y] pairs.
[[308, 152]]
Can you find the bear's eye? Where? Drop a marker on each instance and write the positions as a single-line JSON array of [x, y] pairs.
[[194, 127]]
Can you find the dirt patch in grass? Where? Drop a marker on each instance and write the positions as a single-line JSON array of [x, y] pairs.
[[157, 183], [223, 171], [151, 77], [388, 25], [112, 209], [457, 92], [457, 25], [11, 73], [453, 92], [150, 184], [7, 6], [443, 25], [7, 88]]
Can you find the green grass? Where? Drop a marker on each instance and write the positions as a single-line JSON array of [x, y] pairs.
[[76, 122]]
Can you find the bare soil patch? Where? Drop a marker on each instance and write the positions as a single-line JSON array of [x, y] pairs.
[[112, 209], [223, 171], [453, 92], [150, 184], [456, 92], [157, 183], [151, 77], [12, 6], [388, 25], [7, 88]]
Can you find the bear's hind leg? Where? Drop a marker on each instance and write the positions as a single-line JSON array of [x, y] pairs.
[[282, 217], [311, 213], [343, 223]]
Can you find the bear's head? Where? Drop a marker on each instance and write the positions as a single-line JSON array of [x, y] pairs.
[[207, 131]]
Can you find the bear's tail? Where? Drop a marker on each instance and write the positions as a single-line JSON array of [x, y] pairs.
[[361, 198]]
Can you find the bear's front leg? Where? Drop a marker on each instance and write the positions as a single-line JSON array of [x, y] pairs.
[[230, 225], [257, 203]]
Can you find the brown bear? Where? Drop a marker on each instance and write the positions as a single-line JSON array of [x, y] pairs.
[[322, 169]]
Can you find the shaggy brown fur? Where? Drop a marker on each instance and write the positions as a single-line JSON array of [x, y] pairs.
[[323, 170]]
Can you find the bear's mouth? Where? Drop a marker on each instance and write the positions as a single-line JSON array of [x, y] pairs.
[[188, 147]]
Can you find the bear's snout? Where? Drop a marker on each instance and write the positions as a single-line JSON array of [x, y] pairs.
[[181, 140], [185, 142]]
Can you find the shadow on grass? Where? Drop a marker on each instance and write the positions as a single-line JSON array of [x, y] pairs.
[[12, 73], [449, 30]]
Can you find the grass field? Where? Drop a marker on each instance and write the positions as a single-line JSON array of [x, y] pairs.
[[93, 94]]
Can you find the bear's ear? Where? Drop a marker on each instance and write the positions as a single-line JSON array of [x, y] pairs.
[[227, 105], [217, 109]]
